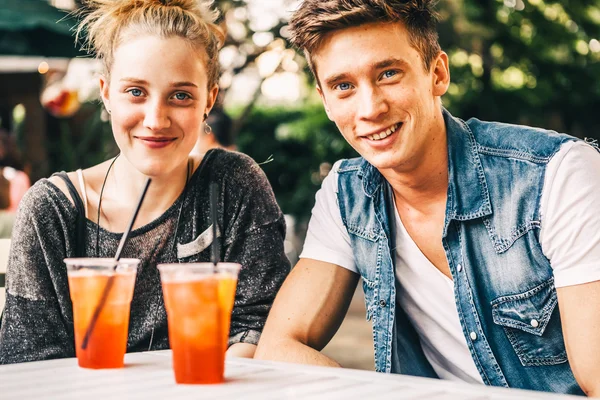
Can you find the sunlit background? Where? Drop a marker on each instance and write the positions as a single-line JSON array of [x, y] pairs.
[[533, 62]]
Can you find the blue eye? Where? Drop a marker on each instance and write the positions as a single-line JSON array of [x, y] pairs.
[[182, 96], [135, 92], [389, 74], [343, 86]]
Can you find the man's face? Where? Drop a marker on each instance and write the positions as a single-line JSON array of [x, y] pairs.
[[375, 88]]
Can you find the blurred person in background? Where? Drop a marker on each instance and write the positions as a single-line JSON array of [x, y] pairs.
[[12, 170], [217, 134], [7, 217]]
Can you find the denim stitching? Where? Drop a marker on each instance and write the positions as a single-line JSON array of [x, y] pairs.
[[510, 153], [359, 231], [528, 361], [474, 354], [503, 244]]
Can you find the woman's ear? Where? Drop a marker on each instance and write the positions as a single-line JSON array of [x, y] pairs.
[[211, 98], [104, 92]]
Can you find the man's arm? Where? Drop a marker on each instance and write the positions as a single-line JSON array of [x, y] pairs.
[[580, 319], [307, 312], [570, 239]]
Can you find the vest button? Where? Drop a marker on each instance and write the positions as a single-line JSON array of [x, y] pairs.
[[382, 303], [473, 336], [459, 267], [534, 323]]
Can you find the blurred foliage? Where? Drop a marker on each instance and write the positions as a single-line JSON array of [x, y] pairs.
[[529, 62], [82, 141], [532, 62], [299, 141]]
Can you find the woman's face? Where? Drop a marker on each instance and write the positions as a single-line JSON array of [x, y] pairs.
[[157, 95]]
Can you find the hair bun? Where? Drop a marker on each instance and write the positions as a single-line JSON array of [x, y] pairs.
[[107, 22]]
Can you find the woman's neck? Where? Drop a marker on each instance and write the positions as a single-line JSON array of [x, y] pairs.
[[124, 186]]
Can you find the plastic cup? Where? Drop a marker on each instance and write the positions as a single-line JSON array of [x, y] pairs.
[[88, 277], [199, 299]]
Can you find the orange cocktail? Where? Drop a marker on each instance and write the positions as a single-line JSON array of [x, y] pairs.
[[199, 300], [88, 278], [227, 274]]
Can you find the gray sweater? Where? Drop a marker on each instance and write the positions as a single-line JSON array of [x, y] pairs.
[[37, 322]]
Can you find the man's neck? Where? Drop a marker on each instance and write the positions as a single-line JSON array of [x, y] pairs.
[[425, 184]]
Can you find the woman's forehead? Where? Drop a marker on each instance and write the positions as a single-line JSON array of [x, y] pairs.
[[152, 56]]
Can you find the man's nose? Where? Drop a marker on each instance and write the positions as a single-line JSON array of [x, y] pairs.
[[372, 104]]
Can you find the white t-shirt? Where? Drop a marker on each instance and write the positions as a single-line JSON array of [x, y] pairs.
[[571, 194]]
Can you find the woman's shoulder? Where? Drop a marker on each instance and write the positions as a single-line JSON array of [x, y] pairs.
[[235, 166], [91, 178], [44, 197], [229, 159]]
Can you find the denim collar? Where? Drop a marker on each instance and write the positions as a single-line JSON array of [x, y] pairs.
[[468, 195]]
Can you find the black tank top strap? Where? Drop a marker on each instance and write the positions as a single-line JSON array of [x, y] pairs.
[[80, 222]]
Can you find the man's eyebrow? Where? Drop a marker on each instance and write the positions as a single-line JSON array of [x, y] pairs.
[[335, 79], [184, 83], [390, 62]]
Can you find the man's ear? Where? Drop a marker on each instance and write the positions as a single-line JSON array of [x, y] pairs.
[[440, 74], [104, 92], [324, 103]]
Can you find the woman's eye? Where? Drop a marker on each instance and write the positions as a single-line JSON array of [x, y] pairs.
[[135, 92], [182, 96]]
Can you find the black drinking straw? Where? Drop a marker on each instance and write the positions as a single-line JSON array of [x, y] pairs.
[[111, 280], [214, 255]]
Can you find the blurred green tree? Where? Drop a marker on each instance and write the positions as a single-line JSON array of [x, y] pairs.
[[532, 62]]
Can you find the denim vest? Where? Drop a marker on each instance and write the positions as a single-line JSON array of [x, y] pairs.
[[503, 283]]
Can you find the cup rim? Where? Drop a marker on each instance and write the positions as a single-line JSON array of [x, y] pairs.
[[200, 267], [100, 262]]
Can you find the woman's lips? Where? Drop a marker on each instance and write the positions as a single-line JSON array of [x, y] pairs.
[[156, 142]]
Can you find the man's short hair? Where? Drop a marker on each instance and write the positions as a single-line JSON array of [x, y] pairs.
[[314, 19]]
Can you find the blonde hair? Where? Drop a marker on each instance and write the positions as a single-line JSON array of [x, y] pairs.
[[106, 24]]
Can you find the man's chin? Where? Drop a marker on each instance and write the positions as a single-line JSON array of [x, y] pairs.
[[382, 161]]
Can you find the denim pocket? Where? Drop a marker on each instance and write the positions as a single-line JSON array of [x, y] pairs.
[[531, 322], [368, 251]]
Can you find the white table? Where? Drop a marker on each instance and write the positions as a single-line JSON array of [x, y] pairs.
[[149, 376]]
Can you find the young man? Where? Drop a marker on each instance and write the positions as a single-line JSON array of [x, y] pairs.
[[477, 242]]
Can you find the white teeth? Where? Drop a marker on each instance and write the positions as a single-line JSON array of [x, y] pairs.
[[384, 134]]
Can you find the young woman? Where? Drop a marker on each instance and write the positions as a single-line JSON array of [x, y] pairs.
[[159, 85]]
